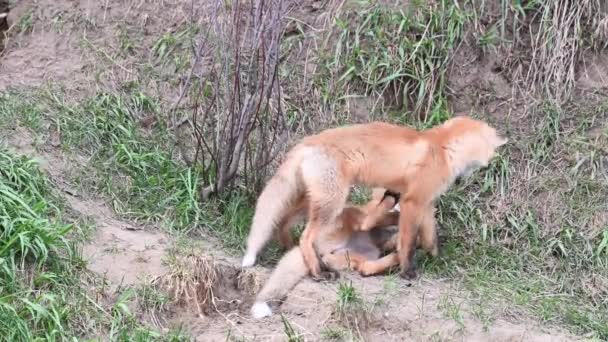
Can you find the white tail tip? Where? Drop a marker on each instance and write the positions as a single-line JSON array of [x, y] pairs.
[[248, 260], [260, 310]]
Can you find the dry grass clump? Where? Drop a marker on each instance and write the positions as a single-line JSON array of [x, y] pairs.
[[191, 281], [199, 282], [565, 28]]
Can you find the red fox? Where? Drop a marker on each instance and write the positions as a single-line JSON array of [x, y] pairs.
[[349, 248], [420, 165]]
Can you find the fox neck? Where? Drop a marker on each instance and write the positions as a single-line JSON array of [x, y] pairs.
[[455, 146], [457, 165]]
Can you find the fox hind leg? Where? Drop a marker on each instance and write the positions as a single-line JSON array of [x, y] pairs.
[[322, 217], [327, 192], [288, 272], [293, 217]]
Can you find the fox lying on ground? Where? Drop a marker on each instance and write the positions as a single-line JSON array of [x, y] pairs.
[[349, 247], [420, 165]]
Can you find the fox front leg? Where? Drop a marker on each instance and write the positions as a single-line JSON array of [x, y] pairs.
[[409, 225]]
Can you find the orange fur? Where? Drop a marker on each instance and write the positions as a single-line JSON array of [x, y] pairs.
[[420, 165], [346, 245]]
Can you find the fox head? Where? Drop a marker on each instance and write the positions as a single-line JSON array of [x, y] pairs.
[[469, 144]]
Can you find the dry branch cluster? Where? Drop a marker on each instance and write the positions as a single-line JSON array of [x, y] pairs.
[[235, 100]]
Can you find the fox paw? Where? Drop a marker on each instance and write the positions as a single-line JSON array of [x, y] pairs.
[[409, 274], [248, 260], [314, 267], [364, 270], [366, 273], [260, 310]]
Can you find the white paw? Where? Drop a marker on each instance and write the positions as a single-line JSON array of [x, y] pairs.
[[260, 310], [248, 260]]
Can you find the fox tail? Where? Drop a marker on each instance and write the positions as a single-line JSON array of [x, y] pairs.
[[275, 201]]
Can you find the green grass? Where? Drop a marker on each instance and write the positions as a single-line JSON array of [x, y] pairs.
[[351, 311], [15, 111], [35, 256], [400, 54], [334, 334], [452, 310], [137, 172], [545, 257], [42, 277], [25, 23], [291, 334], [151, 299]]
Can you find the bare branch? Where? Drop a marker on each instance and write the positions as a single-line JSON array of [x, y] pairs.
[[233, 113]]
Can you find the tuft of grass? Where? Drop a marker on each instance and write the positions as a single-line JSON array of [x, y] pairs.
[[350, 310], [483, 314], [153, 302], [170, 54], [25, 24], [16, 108], [236, 215], [360, 195], [290, 332], [452, 310], [190, 281], [126, 327], [334, 334], [489, 39]]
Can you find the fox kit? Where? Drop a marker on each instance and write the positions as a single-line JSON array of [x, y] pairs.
[[349, 248], [420, 165]]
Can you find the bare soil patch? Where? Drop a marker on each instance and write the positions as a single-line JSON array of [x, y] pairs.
[[401, 313], [123, 253], [31, 59]]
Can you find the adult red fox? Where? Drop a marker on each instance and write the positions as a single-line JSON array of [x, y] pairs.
[[420, 165], [349, 248]]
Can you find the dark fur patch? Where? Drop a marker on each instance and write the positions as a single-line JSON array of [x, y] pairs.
[[392, 194]]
